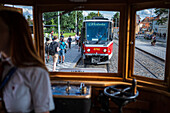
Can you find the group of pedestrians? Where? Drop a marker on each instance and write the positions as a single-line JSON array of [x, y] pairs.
[[56, 48]]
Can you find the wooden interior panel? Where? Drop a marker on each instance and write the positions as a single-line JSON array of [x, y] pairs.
[[147, 102], [154, 96]]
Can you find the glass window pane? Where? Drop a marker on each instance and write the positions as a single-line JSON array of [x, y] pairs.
[[150, 43], [93, 37], [27, 12]]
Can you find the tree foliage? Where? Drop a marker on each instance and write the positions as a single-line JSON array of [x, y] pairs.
[[163, 15], [116, 18], [116, 15], [92, 14], [67, 21]]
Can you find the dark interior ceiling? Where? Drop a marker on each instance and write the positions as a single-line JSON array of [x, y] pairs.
[[52, 2]]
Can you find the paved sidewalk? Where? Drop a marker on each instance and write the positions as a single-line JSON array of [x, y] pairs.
[[71, 58], [154, 50]]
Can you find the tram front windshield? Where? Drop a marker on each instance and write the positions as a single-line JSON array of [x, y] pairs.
[[97, 32]]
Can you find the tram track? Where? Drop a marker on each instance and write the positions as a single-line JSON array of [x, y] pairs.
[[146, 68], [145, 59], [145, 64]]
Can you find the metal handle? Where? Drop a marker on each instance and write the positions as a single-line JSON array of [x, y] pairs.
[[131, 42]]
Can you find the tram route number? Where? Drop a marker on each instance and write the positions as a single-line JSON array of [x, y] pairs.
[[96, 49]]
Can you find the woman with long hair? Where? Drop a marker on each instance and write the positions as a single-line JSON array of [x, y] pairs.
[[28, 88]]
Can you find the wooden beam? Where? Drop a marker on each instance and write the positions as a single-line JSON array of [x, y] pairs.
[[124, 41], [38, 30], [167, 65], [131, 38]]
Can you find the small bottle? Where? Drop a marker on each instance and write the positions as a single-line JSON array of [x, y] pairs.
[[68, 88], [134, 86], [82, 88]]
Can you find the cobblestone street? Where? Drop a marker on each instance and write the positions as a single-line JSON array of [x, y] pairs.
[[158, 50], [144, 64], [147, 65]]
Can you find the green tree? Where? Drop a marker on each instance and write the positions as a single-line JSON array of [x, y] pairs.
[[53, 23], [80, 19], [116, 18], [48, 16], [67, 21], [92, 14], [162, 14]]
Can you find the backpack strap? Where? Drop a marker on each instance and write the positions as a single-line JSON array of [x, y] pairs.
[[7, 77], [4, 82]]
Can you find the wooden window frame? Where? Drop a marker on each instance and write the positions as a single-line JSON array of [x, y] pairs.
[[125, 63], [134, 8], [59, 7]]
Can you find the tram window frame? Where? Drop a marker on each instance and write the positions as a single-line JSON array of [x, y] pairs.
[[120, 9], [124, 73], [10, 6], [139, 7]]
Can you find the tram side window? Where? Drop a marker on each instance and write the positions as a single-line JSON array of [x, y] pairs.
[[150, 42], [27, 12], [84, 41]]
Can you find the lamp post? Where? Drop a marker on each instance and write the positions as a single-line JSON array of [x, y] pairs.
[[76, 22], [58, 25]]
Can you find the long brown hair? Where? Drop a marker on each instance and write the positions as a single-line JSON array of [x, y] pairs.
[[22, 50]]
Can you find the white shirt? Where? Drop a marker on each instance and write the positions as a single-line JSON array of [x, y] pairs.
[[77, 37], [28, 89]]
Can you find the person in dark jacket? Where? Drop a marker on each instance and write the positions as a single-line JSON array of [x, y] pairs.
[[69, 41]]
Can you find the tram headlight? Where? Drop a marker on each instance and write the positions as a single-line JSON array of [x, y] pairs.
[[105, 50], [88, 50]]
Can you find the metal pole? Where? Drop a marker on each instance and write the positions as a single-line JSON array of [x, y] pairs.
[[58, 25], [116, 26], [116, 22], [167, 27], [76, 22], [152, 20]]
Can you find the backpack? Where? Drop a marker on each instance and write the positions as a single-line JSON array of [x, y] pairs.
[[53, 48], [47, 48], [64, 46]]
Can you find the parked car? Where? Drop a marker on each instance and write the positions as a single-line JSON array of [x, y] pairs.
[[140, 36], [148, 36]]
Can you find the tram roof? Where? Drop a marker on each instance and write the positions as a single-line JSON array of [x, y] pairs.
[[98, 20]]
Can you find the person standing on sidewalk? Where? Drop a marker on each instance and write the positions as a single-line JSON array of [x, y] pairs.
[[52, 33], [77, 39], [62, 51], [79, 43], [153, 42], [69, 41], [53, 51], [47, 45], [62, 35]]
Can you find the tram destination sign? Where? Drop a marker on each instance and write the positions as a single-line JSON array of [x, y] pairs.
[[96, 24]]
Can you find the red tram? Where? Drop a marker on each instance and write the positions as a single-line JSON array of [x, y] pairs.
[[97, 40]]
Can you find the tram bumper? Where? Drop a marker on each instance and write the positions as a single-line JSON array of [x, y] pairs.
[[97, 58]]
